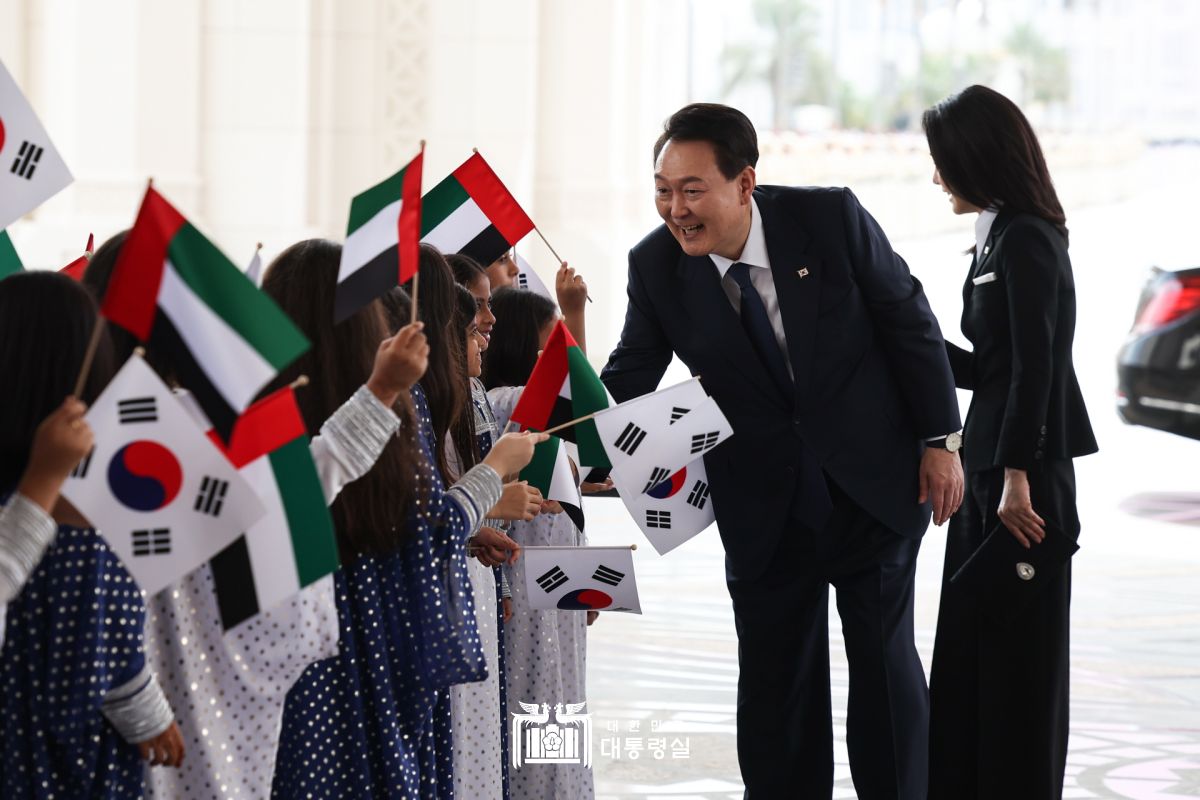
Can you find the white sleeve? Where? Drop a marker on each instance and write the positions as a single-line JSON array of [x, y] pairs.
[[26, 530], [504, 400], [351, 441]]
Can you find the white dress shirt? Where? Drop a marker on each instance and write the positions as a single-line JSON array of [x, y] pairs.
[[983, 226], [754, 255]]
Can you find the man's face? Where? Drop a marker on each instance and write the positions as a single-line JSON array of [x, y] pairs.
[[706, 212]]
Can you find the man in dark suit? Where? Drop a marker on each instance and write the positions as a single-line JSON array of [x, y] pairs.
[[821, 349]]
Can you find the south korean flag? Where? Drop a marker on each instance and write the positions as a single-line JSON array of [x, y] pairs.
[[31, 169], [672, 510], [581, 579], [528, 280], [163, 496]]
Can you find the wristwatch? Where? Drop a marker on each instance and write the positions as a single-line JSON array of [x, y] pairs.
[[950, 443]]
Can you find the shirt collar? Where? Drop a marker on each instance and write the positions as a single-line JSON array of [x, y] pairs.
[[983, 226], [754, 252]]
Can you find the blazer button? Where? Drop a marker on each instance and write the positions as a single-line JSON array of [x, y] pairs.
[[1043, 431], [1041, 441], [1037, 455]]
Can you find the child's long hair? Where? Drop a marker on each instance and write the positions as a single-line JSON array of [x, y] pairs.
[[371, 513], [520, 317], [46, 322]]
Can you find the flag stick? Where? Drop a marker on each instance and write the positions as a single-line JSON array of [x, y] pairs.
[[416, 281], [553, 252], [507, 425], [300, 381], [89, 354], [565, 425]]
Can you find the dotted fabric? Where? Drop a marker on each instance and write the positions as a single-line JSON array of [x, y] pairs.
[[480, 743], [228, 691], [545, 651], [374, 722], [73, 634]]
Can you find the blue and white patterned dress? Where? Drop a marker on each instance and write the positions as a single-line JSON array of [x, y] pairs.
[[71, 670], [374, 722]]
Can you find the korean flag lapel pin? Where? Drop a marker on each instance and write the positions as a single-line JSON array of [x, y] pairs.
[[802, 272]]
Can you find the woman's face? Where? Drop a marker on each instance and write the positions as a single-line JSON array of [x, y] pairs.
[[475, 347], [481, 290], [503, 271], [957, 204]]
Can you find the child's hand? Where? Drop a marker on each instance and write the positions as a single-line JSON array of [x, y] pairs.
[[513, 452], [519, 501], [165, 749], [592, 616], [506, 602], [59, 443], [571, 290], [400, 362], [493, 548]]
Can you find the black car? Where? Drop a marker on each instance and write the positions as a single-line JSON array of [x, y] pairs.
[[1158, 368]]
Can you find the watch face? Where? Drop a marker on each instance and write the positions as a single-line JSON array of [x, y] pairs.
[[954, 442]]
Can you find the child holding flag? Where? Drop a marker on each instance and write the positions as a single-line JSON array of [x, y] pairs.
[[545, 651], [77, 694], [364, 723]]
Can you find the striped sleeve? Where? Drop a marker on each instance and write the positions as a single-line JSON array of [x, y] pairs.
[[351, 441], [475, 493], [138, 709], [25, 532]]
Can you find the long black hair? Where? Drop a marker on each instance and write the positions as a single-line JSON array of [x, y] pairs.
[[986, 152], [520, 317], [445, 381], [46, 322], [370, 514]]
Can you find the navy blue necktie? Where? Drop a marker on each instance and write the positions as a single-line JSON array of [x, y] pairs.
[[813, 502], [758, 328]]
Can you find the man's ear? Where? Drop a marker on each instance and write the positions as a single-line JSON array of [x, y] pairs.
[[747, 180]]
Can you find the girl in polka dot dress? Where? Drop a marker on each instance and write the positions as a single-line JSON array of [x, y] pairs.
[[373, 722], [79, 707]]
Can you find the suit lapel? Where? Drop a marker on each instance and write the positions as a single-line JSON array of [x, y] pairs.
[[979, 267], [712, 313], [797, 275]]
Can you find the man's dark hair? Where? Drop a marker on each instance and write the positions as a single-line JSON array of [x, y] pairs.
[[728, 130], [986, 152]]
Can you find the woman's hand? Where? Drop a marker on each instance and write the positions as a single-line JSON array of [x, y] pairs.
[[493, 548], [513, 452], [400, 362], [1016, 509], [165, 749], [519, 501], [571, 290], [59, 443]]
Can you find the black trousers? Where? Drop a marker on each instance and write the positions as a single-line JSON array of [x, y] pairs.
[[785, 728], [1000, 694]]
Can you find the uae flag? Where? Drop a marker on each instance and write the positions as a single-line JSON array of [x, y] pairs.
[[473, 213], [382, 240], [77, 267], [31, 169], [173, 289], [550, 473], [10, 262], [563, 387], [293, 545]]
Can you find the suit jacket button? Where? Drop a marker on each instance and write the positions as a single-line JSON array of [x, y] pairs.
[[1038, 455], [1043, 431], [1041, 441]]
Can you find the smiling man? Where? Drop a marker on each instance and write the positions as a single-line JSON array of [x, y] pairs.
[[822, 351]]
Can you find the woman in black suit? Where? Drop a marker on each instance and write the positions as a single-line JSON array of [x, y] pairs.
[[999, 687]]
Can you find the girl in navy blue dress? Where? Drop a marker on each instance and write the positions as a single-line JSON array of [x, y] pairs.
[[79, 709], [369, 722]]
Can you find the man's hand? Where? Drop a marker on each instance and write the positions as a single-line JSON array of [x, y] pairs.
[[165, 749], [493, 548], [941, 482], [1016, 509]]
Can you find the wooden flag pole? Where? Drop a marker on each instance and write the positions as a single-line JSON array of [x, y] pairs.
[[565, 425], [300, 381], [89, 354]]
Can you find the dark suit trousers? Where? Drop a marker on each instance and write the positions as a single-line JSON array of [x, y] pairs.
[[785, 730], [1000, 694]]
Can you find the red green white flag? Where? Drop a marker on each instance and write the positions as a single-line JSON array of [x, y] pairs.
[[382, 248], [563, 387], [293, 545], [473, 213], [173, 289], [10, 262]]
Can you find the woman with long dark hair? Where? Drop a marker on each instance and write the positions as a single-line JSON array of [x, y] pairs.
[[79, 700], [999, 682], [369, 722]]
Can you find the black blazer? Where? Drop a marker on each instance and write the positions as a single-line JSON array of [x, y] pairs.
[[1026, 405], [872, 379]]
